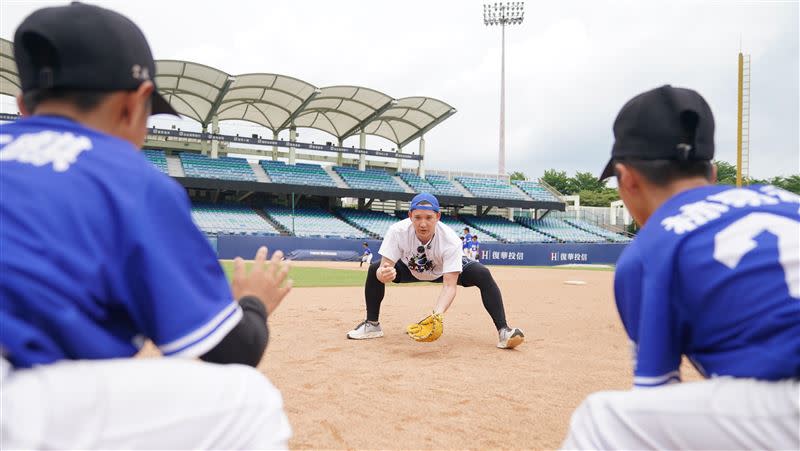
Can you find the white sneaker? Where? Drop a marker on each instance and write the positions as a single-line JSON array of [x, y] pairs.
[[366, 329], [510, 338]]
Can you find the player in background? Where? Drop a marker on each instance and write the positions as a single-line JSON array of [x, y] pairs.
[[422, 249], [474, 248], [366, 257], [713, 275], [99, 253], [465, 240]]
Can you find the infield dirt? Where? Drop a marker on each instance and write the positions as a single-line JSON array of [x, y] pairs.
[[460, 391]]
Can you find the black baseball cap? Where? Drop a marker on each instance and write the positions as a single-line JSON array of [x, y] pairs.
[[84, 47], [663, 124]]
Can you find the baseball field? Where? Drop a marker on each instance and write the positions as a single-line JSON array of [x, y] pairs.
[[458, 392]]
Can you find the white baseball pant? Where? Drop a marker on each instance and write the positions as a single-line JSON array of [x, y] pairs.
[[157, 403], [720, 413]]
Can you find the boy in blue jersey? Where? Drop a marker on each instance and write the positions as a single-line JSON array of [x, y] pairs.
[[466, 240], [366, 256], [713, 275], [99, 253], [474, 248]]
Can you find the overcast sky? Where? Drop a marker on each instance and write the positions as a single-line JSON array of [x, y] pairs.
[[570, 66]]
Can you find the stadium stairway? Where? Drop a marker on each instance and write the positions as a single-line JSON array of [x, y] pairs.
[[174, 166], [336, 178], [403, 184], [464, 191], [261, 175], [339, 215], [273, 223], [521, 192]]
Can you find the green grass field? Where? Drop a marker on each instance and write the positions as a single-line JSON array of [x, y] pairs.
[[327, 277], [316, 277]]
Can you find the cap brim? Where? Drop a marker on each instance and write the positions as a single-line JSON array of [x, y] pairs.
[[608, 171], [161, 106], [425, 207]]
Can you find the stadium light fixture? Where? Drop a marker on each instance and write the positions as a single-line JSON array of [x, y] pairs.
[[503, 13]]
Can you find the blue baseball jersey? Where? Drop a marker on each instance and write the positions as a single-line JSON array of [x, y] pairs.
[[367, 251], [99, 251], [474, 246], [715, 275], [467, 240]]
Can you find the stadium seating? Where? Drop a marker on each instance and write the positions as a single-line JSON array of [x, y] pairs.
[[560, 230], [489, 187], [298, 174], [458, 226], [506, 230], [230, 219], [443, 185], [536, 191], [374, 221], [313, 222], [227, 168], [417, 183], [158, 158], [597, 230], [371, 179]]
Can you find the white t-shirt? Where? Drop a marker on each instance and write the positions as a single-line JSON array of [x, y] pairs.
[[426, 261]]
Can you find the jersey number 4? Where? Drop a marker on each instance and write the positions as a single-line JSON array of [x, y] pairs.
[[736, 240]]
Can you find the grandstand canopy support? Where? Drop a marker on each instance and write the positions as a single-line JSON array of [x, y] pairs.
[[362, 143], [292, 138], [215, 143], [421, 161], [275, 148], [368, 119], [290, 120], [218, 101], [425, 129]]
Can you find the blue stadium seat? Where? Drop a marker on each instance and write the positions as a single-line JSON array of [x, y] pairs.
[[489, 187], [561, 230], [226, 168], [312, 222], [597, 230], [158, 158], [374, 221], [506, 230], [371, 179], [298, 174], [230, 219], [443, 185], [536, 191]]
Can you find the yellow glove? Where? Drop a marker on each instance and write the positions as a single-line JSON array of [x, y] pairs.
[[429, 329]]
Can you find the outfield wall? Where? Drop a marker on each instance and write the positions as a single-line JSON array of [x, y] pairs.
[[231, 246]]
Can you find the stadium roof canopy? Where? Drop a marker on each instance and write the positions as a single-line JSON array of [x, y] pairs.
[[278, 102], [9, 78]]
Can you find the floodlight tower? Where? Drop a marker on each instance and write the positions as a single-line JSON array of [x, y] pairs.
[[508, 13], [743, 123]]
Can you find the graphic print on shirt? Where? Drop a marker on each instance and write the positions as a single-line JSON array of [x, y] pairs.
[[419, 261]]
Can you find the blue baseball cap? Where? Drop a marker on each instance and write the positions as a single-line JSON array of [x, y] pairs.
[[423, 198]]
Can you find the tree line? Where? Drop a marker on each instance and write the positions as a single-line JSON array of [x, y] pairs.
[[595, 193]]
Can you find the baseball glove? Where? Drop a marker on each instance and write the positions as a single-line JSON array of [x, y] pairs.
[[429, 329]]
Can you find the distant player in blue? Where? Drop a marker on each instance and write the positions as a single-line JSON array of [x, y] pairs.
[[474, 248], [366, 257], [713, 275], [466, 241], [99, 253]]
